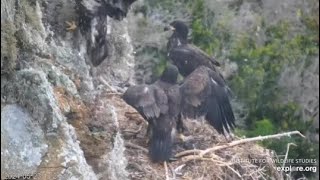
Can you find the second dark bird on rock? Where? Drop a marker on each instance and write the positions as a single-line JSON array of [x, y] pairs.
[[93, 21]]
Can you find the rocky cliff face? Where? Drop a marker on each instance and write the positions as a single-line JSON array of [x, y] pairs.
[[51, 94]]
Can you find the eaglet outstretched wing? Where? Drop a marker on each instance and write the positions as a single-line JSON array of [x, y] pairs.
[[149, 100], [204, 92]]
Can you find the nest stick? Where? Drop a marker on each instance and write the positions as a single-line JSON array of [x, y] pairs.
[[128, 144], [287, 152], [187, 152], [200, 153], [166, 169], [236, 172]]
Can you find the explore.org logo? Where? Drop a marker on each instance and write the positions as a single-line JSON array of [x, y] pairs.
[[298, 169]]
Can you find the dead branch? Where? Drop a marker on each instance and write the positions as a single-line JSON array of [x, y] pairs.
[[166, 170], [198, 154], [172, 171], [187, 152], [131, 113], [138, 167], [236, 172], [103, 81], [128, 144], [114, 94], [194, 157], [132, 131], [287, 152]]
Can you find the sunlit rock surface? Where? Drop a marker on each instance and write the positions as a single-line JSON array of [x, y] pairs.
[[22, 142]]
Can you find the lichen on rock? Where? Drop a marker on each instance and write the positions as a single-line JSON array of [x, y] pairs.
[[22, 142], [54, 86]]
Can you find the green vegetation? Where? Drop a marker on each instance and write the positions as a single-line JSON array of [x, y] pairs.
[[256, 83], [211, 40]]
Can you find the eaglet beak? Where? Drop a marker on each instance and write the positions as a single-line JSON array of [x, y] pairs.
[[167, 28]]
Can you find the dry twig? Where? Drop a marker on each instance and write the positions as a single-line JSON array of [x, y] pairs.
[[114, 94], [236, 172], [132, 131], [198, 154], [287, 152], [166, 169], [128, 144]]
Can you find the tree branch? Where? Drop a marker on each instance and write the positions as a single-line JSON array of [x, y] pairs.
[[286, 157], [166, 170], [198, 154], [128, 144]]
